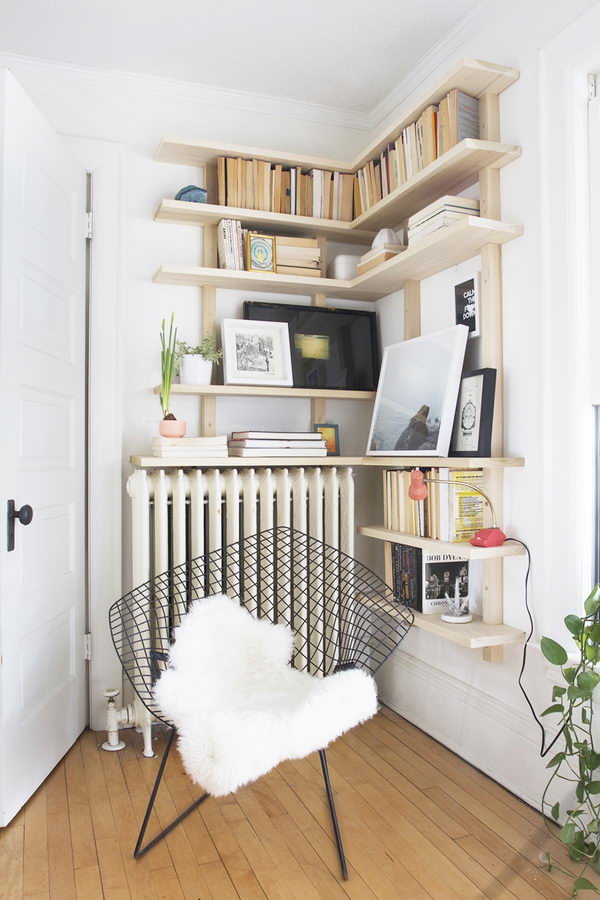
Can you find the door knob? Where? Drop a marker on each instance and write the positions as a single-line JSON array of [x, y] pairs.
[[24, 515]]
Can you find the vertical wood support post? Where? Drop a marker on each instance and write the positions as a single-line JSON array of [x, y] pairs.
[[208, 410], [318, 406], [492, 356]]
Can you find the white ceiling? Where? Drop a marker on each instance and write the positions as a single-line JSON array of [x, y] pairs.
[[341, 53]]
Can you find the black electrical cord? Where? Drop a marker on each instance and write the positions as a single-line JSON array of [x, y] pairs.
[[543, 749]]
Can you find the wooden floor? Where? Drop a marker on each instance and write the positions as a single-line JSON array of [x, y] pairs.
[[416, 820]]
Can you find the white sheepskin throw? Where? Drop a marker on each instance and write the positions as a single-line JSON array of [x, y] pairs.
[[239, 708]]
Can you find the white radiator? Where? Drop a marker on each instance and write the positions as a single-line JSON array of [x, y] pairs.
[[181, 514]]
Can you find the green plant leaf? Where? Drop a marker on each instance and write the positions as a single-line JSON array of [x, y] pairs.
[[580, 791], [553, 652], [592, 652], [584, 715], [555, 761], [594, 633], [558, 691], [592, 603], [594, 760], [574, 624], [588, 680], [582, 884], [556, 708], [569, 674], [593, 787], [555, 811], [577, 693], [567, 833]]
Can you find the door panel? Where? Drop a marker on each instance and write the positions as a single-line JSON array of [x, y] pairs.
[[42, 449]]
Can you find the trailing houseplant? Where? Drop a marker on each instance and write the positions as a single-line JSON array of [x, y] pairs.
[[194, 364], [170, 426], [578, 763]]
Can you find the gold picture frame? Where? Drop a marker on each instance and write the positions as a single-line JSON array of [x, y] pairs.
[[260, 252]]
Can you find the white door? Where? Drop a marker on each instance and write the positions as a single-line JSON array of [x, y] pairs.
[[42, 447]]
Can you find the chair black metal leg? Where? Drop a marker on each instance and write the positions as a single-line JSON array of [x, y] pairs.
[[139, 850], [334, 819]]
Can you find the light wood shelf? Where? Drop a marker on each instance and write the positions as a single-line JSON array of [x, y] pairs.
[[259, 390], [451, 462], [243, 462], [355, 461], [445, 247], [457, 169], [474, 76], [474, 635], [462, 550]]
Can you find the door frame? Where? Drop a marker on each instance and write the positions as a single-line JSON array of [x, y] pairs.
[[102, 159]]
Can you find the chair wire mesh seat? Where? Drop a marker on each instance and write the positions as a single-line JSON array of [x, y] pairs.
[[343, 616]]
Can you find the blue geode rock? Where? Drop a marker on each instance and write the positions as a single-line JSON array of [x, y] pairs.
[[193, 194]]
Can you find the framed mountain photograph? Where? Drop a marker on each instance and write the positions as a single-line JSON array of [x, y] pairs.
[[416, 396]]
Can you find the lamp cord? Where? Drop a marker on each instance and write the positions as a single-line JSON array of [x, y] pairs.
[[543, 749]]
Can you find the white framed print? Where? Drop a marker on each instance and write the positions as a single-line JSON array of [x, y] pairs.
[[416, 395], [256, 352]]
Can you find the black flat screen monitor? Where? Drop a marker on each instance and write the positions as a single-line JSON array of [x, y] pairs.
[[331, 348]]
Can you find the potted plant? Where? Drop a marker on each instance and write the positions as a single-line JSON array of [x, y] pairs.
[[170, 426], [578, 762], [194, 364]]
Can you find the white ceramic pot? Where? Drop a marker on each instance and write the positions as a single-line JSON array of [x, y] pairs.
[[195, 370]]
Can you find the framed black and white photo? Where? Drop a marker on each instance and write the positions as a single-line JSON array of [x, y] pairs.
[[472, 432], [256, 352], [416, 395], [466, 304], [330, 348]]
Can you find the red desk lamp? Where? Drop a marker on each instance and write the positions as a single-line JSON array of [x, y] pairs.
[[485, 537]]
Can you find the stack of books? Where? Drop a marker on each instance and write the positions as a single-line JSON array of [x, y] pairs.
[[277, 443], [452, 512], [230, 244], [298, 256], [439, 214], [377, 256], [424, 580], [190, 448]]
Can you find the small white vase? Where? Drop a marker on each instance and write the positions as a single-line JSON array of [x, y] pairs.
[[195, 370]]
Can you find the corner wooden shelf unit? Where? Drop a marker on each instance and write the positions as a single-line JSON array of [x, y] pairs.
[[465, 164]]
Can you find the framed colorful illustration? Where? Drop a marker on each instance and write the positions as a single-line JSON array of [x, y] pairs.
[[256, 352], [260, 252], [331, 436], [416, 396], [472, 432]]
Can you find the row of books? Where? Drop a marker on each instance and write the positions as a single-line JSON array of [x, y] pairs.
[[277, 443], [442, 212], [258, 184], [424, 581], [291, 255], [452, 512], [437, 129]]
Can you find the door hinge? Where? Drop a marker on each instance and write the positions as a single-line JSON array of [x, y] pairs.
[[592, 83], [87, 646], [89, 225]]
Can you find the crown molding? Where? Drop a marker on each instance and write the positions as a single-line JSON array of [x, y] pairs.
[[443, 52], [186, 90]]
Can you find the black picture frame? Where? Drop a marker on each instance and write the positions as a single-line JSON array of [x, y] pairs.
[[474, 416], [333, 349]]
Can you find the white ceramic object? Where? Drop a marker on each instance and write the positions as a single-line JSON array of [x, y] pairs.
[[385, 236], [343, 266], [195, 369]]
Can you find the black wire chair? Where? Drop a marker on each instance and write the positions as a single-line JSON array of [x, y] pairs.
[[343, 615]]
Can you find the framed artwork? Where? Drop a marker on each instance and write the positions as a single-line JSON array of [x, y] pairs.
[[331, 436], [256, 352], [330, 348], [260, 252], [472, 432], [466, 304], [416, 396]]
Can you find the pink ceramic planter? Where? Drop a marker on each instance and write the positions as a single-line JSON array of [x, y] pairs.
[[172, 428]]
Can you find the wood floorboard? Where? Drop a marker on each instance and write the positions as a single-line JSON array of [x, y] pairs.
[[417, 822]]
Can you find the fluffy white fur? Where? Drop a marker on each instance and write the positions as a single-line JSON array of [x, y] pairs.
[[239, 707]]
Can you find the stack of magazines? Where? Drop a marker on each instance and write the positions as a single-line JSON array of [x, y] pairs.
[[443, 212], [190, 448], [277, 443]]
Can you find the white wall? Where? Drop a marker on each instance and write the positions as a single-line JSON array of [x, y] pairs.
[[470, 705]]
